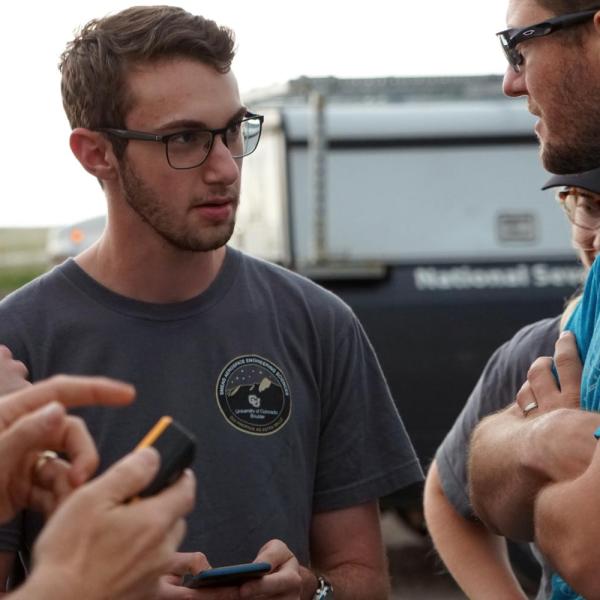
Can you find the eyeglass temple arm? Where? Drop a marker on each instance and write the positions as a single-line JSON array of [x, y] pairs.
[[133, 135]]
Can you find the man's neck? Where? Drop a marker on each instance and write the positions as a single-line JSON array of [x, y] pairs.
[[160, 274]]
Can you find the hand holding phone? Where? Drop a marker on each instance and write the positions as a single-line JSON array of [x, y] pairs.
[[227, 576]]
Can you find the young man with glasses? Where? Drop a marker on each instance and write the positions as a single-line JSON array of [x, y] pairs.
[[476, 557], [297, 433], [533, 467]]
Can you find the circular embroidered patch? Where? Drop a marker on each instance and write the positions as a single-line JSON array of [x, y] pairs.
[[253, 395]]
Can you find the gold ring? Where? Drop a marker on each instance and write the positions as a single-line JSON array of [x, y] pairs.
[[531, 406], [44, 457]]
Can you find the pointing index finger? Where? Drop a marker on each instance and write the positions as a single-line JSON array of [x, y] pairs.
[[69, 391]]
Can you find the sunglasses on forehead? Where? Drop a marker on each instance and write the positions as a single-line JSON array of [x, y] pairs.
[[510, 38]]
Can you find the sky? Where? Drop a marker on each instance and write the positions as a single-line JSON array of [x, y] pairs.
[[43, 184]]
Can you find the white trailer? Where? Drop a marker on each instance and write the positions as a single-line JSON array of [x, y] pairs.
[[417, 201], [422, 208]]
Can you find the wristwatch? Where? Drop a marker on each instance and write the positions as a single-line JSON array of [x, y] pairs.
[[324, 590]]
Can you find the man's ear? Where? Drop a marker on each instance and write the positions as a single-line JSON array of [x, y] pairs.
[[94, 152], [597, 22]]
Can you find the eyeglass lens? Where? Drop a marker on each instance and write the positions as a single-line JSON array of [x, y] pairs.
[[513, 56], [583, 210], [191, 148]]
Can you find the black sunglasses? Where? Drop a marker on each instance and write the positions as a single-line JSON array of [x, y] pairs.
[[510, 38]]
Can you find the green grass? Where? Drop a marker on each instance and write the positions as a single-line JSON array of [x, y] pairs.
[[22, 253]]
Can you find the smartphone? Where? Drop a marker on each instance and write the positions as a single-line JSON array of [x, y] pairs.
[[177, 448], [230, 575]]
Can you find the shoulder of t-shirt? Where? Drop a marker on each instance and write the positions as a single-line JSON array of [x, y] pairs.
[[531, 341], [34, 291], [545, 330], [291, 284]]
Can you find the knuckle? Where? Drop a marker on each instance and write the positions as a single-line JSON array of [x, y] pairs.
[[563, 358], [85, 497], [295, 580], [538, 366], [557, 417], [523, 391]]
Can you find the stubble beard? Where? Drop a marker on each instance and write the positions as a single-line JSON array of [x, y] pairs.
[[576, 117], [149, 208], [571, 157]]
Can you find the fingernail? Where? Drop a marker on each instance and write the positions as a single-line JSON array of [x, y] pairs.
[[565, 332], [149, 455], [190, 478]]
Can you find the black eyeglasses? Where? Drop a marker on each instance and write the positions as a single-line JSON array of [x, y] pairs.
[[583, 209], [510, 38], [190, 148]]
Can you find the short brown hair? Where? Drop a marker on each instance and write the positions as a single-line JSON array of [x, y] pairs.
[[95, 64]]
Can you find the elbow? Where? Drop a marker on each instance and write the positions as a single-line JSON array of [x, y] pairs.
[[436, 507], [432, 491]]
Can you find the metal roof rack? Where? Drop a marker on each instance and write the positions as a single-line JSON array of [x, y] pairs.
[[380, 89]]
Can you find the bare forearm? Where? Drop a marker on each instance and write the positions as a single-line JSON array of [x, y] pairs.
[[476, 558], [347, 549], [567, 531], [512, 459], [502, 486], [480, 566]]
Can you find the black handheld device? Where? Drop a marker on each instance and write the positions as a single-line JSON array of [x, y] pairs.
[[230, 575], [176, 446]]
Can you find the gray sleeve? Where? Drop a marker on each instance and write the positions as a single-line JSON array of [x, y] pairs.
[[364, 451], [497, 387], [13, 330]]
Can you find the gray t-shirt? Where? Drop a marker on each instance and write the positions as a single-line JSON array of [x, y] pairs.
[[272, 373], [497, 387]]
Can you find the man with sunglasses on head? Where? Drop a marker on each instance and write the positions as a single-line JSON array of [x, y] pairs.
[[475, 556], [297, 433], [533, 466]]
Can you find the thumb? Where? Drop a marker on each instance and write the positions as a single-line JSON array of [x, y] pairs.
[[275, 552], [188, 562], [128, 477]]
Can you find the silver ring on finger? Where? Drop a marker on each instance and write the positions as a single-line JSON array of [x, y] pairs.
[[43, 458], [529, 407]]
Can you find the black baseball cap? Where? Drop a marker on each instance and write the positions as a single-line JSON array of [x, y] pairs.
[[588, 180]]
